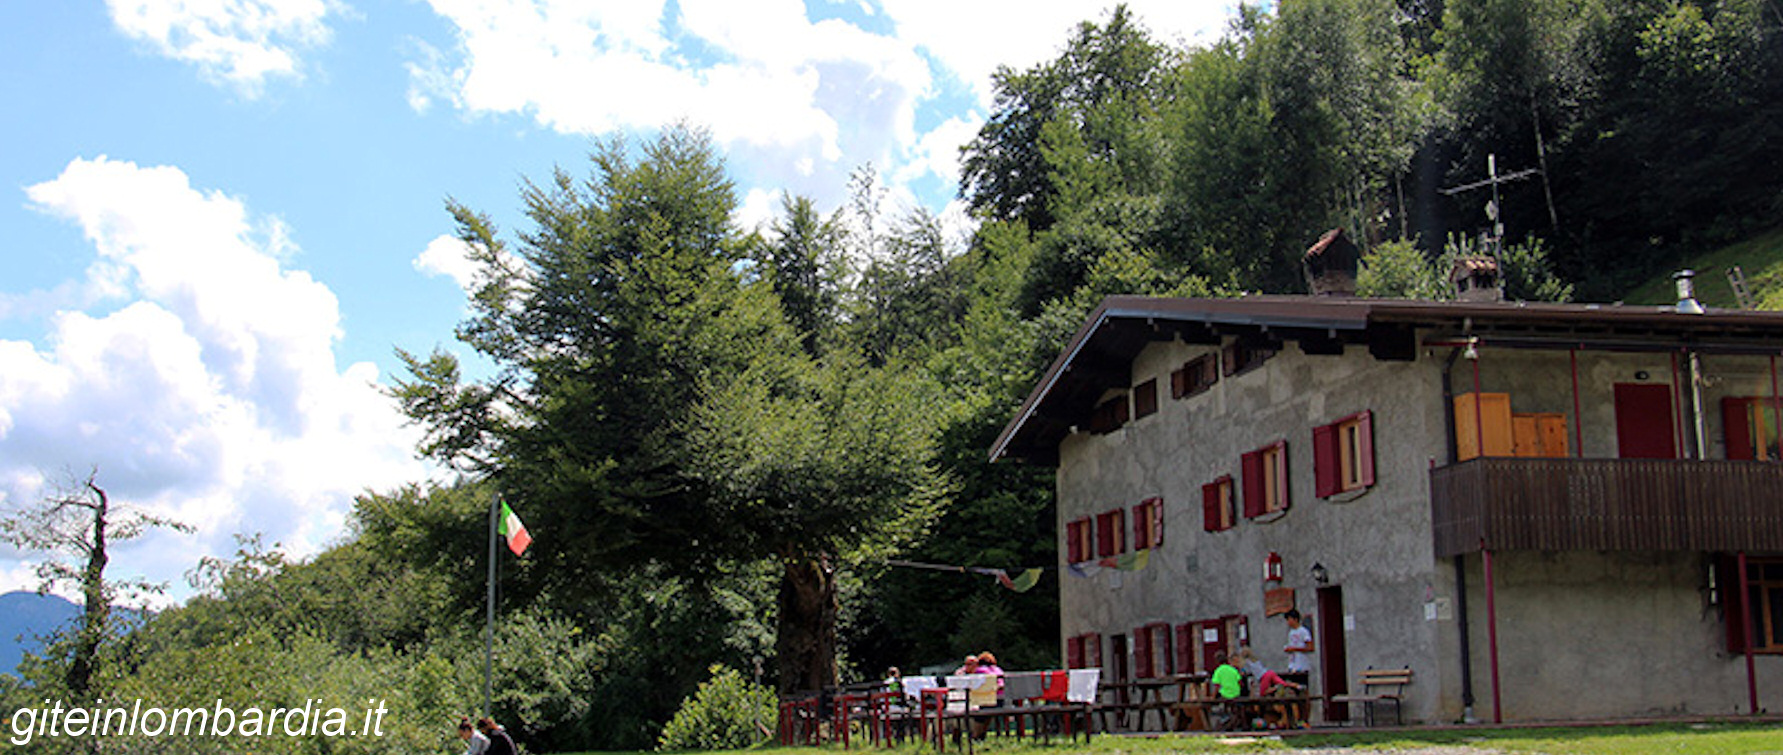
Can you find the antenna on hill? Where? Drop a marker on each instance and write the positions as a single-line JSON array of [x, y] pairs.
[[1737, 278], [1492, 207]]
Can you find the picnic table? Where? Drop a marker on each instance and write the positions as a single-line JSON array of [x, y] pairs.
[[971, 700], [1142, 696], [1193, 714]]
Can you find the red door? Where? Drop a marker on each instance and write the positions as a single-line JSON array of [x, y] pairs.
[[1213, 641], [1644, 428]]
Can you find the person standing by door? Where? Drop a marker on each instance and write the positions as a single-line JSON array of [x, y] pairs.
[[1299, 650]]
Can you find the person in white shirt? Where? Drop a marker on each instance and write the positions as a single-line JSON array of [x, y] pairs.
[[1299, 649]]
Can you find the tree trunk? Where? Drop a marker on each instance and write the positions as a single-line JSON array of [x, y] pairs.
[[98, 608], [1541, 157], [806, 642]]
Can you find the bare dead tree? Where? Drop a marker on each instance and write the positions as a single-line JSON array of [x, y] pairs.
[[73, 528]]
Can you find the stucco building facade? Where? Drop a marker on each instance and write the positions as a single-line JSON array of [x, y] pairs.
[[1542, 509]]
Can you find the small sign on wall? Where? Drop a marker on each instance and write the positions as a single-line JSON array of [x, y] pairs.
[[1278, 601]]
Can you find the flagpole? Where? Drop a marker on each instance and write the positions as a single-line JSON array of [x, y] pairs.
[[489, 626]]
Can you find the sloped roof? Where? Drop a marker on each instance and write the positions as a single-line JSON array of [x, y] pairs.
[[1099, 357]]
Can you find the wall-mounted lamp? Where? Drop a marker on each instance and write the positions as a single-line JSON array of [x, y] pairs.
[[1641, 375], [1272, 567], [1471, 352], [1320, 574]]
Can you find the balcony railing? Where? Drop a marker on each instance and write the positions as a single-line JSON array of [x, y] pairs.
[[1606, 504]]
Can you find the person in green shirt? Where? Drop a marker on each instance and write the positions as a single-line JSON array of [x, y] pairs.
[[1226, 678]]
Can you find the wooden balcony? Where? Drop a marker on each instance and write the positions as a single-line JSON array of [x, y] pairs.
[[1606, 504]]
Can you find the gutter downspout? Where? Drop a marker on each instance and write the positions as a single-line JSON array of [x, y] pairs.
[[1696, 404], [1448, 403], [1578, 418], [1492, 634]]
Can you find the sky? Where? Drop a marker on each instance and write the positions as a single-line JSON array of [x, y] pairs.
[[222, 217]]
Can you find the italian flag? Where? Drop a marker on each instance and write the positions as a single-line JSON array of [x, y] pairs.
[[513, 531]]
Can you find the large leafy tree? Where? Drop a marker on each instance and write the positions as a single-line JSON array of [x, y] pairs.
[[654, 408], [1107, 78]]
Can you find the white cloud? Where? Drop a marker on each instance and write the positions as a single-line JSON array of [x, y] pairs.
[[213, 396], [1028, 33], [757, 210], [766, 76], [797, 104], [937, 152], [448, 256], [237, 42]]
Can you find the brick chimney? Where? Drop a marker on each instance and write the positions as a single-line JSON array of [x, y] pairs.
[[1330, 265], [1475, 278]]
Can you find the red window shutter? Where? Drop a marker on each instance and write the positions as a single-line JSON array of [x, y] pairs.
[[1142, 652], [1092, 650], [1727, 582], [1141, 520], [1074, 652], [1736, 428], [1365, 448], [1327, 481], [1118, 525], [1253, 484], [1185, 647], [1210, 507], [1179, 381], [1145, 398]]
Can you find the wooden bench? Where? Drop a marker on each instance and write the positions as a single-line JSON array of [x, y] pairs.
[[1378, 686]]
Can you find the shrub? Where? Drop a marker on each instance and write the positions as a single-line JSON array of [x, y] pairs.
[[726, 713]]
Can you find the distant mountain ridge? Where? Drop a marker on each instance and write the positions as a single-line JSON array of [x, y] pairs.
[[26, 616]]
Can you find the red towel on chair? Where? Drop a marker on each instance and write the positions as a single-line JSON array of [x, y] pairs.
[[1054, 686]]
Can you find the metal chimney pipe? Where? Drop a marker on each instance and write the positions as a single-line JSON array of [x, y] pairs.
[[1687, 303]]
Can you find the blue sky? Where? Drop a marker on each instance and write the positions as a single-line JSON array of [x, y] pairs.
[[222, 216]]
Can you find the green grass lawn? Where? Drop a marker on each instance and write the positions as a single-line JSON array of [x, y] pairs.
[[1760, 257], [1710, 738]]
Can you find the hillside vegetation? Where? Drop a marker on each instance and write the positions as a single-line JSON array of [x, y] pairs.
[[1760, 258]]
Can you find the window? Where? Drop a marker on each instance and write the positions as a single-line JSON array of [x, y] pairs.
[[1219, 511], [1198, 375], [1764, 596], [1084, 651], [1343, 455], [1077, 540], [1750, 426], [1266, 480], [1110, 533], [1145, 398], [1151, 651], [1109, 415], [1148, 524], [1242, 356]]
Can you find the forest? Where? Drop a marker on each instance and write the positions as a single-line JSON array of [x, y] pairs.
[[721, 437]]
